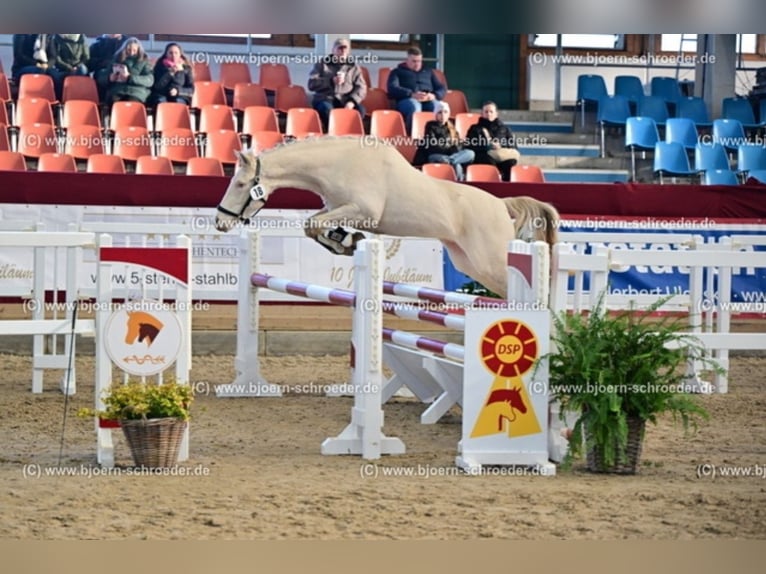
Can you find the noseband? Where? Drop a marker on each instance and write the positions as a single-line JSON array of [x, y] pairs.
[[257, 193]]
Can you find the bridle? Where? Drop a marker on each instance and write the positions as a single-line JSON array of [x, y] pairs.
[[257, 193]]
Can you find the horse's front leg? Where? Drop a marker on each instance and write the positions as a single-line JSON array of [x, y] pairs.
[[327, 229]]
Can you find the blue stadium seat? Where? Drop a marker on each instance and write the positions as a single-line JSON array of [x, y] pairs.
[[681, 130], [729, 133], [710, 156], [740, 109], [612, 111], [590, 88], [670, 159], [695, 109], [640, 133], [654, 107], [719, 177], [751, 157], [668, 89], [630, 87]]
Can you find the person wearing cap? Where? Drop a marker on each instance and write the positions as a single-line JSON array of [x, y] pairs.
[[337, 82]]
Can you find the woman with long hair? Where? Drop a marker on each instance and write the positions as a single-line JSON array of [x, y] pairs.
[[441, 143], [130, 78], [173, 79]]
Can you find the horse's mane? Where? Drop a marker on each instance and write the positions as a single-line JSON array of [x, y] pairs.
[[360, 141]]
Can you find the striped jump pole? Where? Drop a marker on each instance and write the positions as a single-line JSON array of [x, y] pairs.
[[437, 296], [412, 341]]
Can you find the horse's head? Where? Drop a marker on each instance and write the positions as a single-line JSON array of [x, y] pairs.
[[516, 401], [245, 196], [142, 326]]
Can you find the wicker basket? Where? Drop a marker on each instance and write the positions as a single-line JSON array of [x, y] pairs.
[[595, 458], [154, 443]]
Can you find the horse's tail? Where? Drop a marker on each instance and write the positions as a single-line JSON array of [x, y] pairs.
[[534, 220]]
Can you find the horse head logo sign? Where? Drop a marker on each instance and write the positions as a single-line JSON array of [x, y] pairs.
[[142, 326], [144, 338], [509, 349]]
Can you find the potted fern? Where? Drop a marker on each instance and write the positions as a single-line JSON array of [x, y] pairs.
[[153, 418], [616, 372]]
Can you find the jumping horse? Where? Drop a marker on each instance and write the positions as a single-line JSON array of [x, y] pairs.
[[368, 185]]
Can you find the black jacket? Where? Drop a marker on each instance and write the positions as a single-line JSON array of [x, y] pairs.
[[402, 82], [437, 139], [476, 139], [102, 52], [24, 49], [165, 79]]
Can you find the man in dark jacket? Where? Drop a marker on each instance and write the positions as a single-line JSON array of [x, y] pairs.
[[492, 141], [102, 53], [337, 82], [414, 88], [32, 54]]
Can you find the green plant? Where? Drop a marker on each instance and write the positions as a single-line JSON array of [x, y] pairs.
[[136, 400], [615, 368]]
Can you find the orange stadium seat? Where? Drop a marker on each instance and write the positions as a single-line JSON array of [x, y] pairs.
[[303, 122], [527, 174], [246, 95], [383, 74], [215, 117], [178, 145], [222, 144], [56, 162], [37, 86], [457, 101], [79, 88], [131, 142], [208, 93], [5, 144], [127, 114], [274, 76], [201, 72], [440, 171], [419, 121], [83, 141], [80, 113], [463, 122], [345, 122], [204, 166], [482, 172], [233, 73], [33, 111], [376, 99], [387, 124], [263, 140], [104, 163], [259, 119], [171, 116], [12, 161], [288, 97], [5, 89], [4, 120], [37, 139], [151, 165]]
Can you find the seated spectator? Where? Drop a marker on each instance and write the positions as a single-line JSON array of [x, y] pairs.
[[413, 87], [33, 54], [72, 54], [337, 82], [102, 53], [441, 144], [173, 79], [492, 141], [131, 76]]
